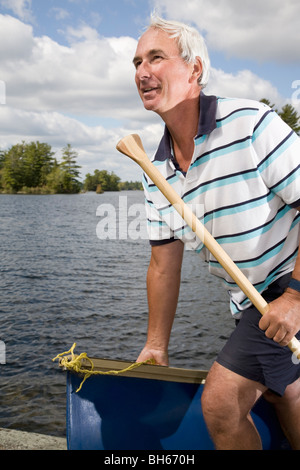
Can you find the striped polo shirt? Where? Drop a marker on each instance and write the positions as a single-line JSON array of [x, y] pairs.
[[243, 184]]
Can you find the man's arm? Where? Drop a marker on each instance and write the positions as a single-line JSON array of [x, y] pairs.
[[282, 321], [163, 283]]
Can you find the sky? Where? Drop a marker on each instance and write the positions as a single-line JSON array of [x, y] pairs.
[[66, 72]]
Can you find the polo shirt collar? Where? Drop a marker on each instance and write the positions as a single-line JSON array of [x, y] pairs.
[[207, 123]]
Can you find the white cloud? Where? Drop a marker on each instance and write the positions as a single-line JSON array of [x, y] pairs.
[[244, 84], [59, 13], [94, 75], [84, 32], [21, 8], [20, 44], [255, 29]]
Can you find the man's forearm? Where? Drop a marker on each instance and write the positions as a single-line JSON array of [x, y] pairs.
[[163, 291], [163, 284]]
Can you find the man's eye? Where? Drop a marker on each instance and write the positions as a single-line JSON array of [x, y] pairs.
[[156, 58]]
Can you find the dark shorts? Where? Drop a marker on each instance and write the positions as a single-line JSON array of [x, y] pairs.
[[252, 355]]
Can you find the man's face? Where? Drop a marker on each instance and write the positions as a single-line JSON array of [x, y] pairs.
[[162, 77]]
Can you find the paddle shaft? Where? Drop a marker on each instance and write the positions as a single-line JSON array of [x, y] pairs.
[[132, 147]]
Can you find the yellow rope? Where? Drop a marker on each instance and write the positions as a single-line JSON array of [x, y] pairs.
[[74, 364]]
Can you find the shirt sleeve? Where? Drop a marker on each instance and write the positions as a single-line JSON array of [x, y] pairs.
[[277, 149], [158, 230]]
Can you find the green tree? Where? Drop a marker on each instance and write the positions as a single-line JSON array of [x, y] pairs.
[[89, 183], [103, 180], [38, 163], [13, 168], [55, 179], [109, 181], [288, 114], [32, 168], [70, 171], [2, 157], [131, 186], [26, 165], [268, 103]]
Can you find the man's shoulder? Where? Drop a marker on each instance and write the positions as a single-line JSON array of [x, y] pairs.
[[227, 104]]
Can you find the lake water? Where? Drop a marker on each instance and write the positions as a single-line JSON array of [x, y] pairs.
[[60, 283]]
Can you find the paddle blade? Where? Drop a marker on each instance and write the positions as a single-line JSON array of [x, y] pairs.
[[132, 147]]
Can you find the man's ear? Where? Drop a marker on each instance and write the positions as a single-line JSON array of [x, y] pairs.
[[197, 69]]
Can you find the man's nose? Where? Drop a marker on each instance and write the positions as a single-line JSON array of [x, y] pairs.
[[144, 71]]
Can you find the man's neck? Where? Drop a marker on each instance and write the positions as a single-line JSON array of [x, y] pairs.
[[182, 123]]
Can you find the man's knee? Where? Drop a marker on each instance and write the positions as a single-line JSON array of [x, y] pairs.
[[219, 399], [214, 408], [227, 396]]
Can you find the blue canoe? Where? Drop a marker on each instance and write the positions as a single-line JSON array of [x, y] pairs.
[[149, 408]]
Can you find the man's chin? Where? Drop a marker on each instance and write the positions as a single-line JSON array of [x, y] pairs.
[[151, 105]]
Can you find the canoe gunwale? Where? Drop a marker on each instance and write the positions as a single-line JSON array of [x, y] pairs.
[[145, 371]]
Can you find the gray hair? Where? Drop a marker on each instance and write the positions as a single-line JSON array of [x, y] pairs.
[[190, 42]]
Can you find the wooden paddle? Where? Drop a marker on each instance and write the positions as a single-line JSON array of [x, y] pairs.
[[132, 147]]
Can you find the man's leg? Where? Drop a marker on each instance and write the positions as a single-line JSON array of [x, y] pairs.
[[288, 411], [227, 400]]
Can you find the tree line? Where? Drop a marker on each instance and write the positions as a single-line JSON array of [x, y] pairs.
[[30, 168], [102, 181]]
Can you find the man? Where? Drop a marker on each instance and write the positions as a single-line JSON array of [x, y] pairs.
[[238, 161]]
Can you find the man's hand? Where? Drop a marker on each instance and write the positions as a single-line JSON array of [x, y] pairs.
[[160, 357], [282, 321]]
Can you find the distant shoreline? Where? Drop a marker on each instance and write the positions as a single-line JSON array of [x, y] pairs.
[[50, 193]]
